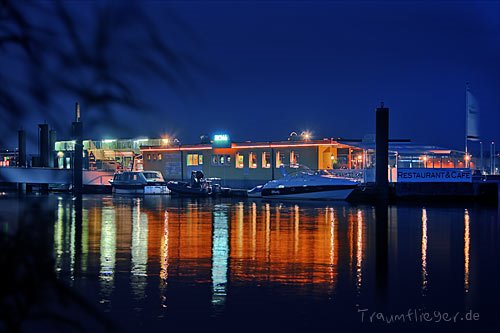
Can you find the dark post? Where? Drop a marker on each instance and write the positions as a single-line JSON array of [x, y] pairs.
[[44, 145], [78, 155], [382, 151], [21, 161], [52, 144], [273, 163]]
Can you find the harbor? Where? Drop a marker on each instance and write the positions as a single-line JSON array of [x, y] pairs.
[[249, 166], [413, 171]]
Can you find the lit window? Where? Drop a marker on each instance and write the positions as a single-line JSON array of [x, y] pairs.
[[221, 159], [192, 159], [279, 159], [266, 160], [215, 160], [154, 157], [240, 160], [228, 160], [149, 156], [200, 159], [160, 157], [252, 160], [294, 158]]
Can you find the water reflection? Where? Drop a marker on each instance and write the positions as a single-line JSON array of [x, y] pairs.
[[136, 247], [164, 261], [359, 250], [424, 251], [466, 250], [139, 250], [220, 256], [108, 253]]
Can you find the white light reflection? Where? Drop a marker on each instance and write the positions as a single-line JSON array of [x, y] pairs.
[[139, 250], [424, 251], [58, 237], [108, 253], [220, 256]]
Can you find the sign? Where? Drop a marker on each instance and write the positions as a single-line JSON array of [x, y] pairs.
[[221, 141], [432, 175], [221, 137]]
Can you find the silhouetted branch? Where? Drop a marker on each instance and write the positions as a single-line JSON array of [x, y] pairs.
[[99, 60]]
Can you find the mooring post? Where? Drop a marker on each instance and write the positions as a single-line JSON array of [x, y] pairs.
[[43, 143], [21, 148], [382, 152], [78, 153]]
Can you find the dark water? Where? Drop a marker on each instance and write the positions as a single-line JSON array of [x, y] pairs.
[[170, 264]]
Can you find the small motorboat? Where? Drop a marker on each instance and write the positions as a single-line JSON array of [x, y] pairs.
[[309, 184], [139, 182], [196, 186]]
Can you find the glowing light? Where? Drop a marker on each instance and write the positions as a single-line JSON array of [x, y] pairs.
[[467, 157], [60, 154], [108, 140], [306, 135], [140, 140], [221, 137]]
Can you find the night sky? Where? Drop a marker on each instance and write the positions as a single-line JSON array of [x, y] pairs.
[[266, 69]]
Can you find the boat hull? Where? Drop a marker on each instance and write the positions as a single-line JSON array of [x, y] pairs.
[[333, 192], [141, 189], [183, 188]]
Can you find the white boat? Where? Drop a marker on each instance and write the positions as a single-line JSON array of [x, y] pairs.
[[255, 192], [139, 182], [309, 184]]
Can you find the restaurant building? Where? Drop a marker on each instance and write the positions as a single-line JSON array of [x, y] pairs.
[[246, 164]]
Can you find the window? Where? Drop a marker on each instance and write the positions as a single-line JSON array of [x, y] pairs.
[[160, 156], [149, 156], [154, 157], [200, 159], [279, 159], [294, 158], [218, 160], [215, 160], [240, 160], [266, 160], [192, 159], [252, 160]]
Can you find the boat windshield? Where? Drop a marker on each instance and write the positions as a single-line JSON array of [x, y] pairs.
[[152, 175]]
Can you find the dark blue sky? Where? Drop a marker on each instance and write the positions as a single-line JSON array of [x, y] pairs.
[[272, 68]]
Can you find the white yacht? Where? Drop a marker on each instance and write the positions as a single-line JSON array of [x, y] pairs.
[[309, 184], [139, 182]]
